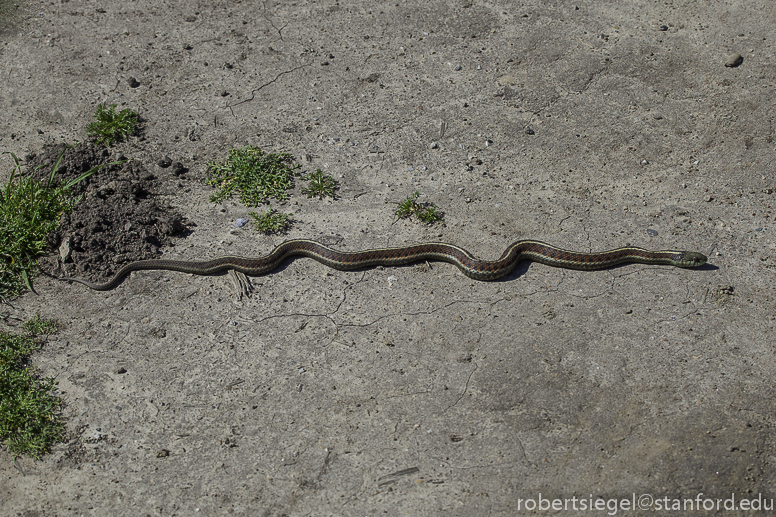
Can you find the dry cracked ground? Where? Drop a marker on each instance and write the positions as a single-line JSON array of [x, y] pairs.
[[411, 390]]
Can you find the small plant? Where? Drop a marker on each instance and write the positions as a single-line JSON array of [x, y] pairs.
[[38, 325], [29, 211], [321, 185], [271, 222], [110, 127], [254, 174], [426, 212], [30, 419]]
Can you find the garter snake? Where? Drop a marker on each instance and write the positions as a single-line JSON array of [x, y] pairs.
[[473, 268]]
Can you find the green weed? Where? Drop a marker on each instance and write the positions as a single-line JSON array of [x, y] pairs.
[[255, 175], [30, 420], [270, 222], [110, 127], [426, 212], [321, 185]]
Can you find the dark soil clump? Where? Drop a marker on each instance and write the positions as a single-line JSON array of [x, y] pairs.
[[119, 219]]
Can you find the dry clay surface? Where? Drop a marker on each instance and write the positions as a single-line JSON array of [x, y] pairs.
[[411, 390]]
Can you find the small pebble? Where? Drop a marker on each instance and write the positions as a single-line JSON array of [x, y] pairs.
[[178, 168], [662, 28], [733, 60], [132, 82], [239, 223]]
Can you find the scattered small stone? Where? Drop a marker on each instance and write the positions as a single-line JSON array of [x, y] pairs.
[[458, 68], [644, 162], [723, 293], [433, 145], [66, 249], [162, 453], [170, 224], [529, 131], [178, 168], [132, 82], [187, 47], [190, 19], [652, 232], [239, 223], [164, 162], [734, 60], [662, 28]]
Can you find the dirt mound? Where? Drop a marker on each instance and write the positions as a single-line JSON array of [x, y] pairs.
[[119, 219]]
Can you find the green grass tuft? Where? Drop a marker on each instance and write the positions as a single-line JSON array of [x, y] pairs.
[[110, 127], [30, 420], [321, 185], [270, 222], [37, 326], [425, 212], [255, 175]]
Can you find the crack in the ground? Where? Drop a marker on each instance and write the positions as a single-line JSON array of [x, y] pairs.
[[253, 92]]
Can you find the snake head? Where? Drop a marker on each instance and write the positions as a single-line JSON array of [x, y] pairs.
[[691, 259]]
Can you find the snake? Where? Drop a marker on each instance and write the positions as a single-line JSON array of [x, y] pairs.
[[485, 270]]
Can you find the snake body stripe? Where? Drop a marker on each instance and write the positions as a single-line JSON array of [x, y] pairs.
[[470, 266]]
